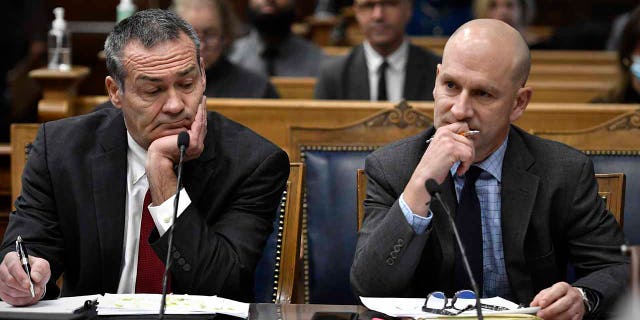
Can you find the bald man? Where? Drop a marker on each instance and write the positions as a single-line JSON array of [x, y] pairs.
[[531, 205]]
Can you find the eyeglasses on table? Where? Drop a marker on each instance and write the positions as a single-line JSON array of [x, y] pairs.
[[463, 300]]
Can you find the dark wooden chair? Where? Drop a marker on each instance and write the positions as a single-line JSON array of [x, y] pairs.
[[331, 156], [614, 146], [611, 187], [276, 272], [22, 135]]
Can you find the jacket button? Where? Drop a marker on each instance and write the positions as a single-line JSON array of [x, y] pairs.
[[186, 267], [400, 242], [181, 261], [394, 254], [176, 254], [390, 261]]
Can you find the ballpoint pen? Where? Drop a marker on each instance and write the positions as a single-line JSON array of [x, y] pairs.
[[467, 134], [24, 260]]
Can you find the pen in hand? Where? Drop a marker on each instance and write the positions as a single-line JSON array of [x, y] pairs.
[[24, 260], [470, 133]]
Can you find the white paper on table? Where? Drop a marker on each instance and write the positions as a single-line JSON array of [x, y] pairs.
[[132, 304], [66, 305], [412, 307]]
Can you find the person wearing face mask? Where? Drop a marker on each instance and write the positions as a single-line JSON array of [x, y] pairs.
[[270, 48], [627, 88], [215, 23]]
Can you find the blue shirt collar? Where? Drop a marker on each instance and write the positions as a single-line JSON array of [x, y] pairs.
[[492, 164]]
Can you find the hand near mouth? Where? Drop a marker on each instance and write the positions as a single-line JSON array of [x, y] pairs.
[[163, 155]]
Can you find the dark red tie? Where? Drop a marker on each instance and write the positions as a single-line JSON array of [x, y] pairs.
[[150, 267]]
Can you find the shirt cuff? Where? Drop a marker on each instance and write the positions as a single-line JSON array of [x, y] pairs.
[[163, 214], [418, 223]]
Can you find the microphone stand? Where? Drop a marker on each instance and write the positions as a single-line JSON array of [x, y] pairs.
[[435, 192], [163, 301]]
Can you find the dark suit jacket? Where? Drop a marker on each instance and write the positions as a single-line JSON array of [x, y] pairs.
[[228, 80], [551, 215], [346, 78], [72, 204]]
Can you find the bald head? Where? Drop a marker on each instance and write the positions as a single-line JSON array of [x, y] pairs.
[[493, 43]]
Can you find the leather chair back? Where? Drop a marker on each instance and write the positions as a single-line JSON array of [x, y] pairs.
[[331, 156], [614, 146]]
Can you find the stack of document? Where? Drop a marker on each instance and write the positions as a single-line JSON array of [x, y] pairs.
[[412, 307], [61, 306], [131, 304]]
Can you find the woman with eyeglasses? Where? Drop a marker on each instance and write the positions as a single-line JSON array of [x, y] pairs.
[[215, 23]]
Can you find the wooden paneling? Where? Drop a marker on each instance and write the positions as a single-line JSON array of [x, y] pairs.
[[544, 90], [21, 137], [272, 118]]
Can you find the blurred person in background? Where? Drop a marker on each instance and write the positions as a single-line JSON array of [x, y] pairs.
[[216, 25], [517, 13], [627, 89], [270, 48], [385, 67]]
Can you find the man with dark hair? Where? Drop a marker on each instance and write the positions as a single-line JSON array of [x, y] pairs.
[[98, 190], [270, 48], [525, 206], [386, 67]]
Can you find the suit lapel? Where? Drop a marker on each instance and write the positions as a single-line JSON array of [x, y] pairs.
[[357, 77], [518, 194], [109, 174], [196, 172]]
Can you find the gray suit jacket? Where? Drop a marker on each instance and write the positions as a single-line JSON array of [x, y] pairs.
[[551, 215], [297, 57], [346, 78], [71, 210]]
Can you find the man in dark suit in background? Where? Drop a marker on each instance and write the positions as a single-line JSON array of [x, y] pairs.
[[386, 66], [525, 206], [270, 48], [98, 189]]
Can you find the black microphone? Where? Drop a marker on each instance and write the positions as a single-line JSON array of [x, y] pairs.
[[434, 190], [183, 144]]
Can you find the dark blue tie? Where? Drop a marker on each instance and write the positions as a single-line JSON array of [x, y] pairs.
[[469, 222]]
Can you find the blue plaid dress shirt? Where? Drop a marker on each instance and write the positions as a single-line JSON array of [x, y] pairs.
[[495, 278]]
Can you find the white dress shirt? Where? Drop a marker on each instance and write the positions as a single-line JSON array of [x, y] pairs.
[[395, 74], [137, 186]]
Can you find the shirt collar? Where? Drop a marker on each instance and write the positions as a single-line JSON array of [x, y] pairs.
[[136, 157], [492, 164], [397, 60]]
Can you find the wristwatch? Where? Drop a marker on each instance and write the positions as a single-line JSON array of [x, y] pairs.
[[588, 304]]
